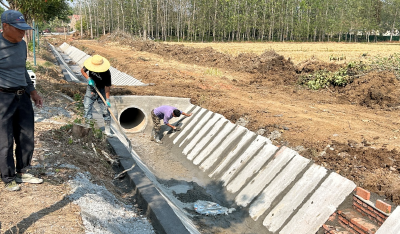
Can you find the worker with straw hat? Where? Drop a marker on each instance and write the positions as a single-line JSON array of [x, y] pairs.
[[99, 77]]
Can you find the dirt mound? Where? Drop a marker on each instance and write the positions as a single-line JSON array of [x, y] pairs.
[[245, 62], [313, 65], [374, 90]]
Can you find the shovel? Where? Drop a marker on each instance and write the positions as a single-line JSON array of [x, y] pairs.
[[112, 115]]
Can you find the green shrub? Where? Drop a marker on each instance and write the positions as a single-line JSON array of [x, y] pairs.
[[342, 77]]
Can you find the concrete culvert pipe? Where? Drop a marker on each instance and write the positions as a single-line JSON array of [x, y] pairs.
[[132, 119]]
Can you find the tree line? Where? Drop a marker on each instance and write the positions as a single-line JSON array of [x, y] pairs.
[[226, 20]]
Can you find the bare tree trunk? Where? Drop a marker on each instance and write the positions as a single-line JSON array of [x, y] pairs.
[[96, 9], [137, 17], [123, 17], [104, 21], [215, 18], [90, 19], [80, 11], [393, 25]]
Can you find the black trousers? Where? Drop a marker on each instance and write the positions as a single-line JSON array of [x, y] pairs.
[[16, 126]]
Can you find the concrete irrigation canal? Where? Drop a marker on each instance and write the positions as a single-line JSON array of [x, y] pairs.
[[272, 188]]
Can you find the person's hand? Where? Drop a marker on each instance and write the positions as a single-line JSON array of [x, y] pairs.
[[189, 114], [91, 82], [108, 102], [36, 99]]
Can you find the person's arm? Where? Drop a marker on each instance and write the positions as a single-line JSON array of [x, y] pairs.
[[84, 74], [188, 115], [169, 125], [90, 80], [107, 91], [36, 98]]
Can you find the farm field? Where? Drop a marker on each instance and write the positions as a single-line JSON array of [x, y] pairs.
[[301, 51], [353, 130]]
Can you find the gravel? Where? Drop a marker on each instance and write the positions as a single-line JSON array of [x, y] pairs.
[[102, 212]]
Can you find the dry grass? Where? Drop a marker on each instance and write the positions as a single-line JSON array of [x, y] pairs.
[[301, 51]]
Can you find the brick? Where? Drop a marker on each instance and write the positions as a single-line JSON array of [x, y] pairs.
[[371, 214], [382, 215], [371, 208], [360, 207], [355, 228], [383, 206], [343, 220], [379, 219], [364, 225], [356, 199], [363, 193]]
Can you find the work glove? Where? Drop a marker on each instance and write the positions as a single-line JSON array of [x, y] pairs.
[[108, 102], [91, 82]]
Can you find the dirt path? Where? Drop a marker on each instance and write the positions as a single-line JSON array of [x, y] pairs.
[[353, 130]]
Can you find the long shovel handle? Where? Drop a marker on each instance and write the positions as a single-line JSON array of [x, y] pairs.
[[105, 103], [112, 115]]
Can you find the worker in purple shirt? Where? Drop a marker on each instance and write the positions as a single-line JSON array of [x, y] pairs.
[[165, 113]]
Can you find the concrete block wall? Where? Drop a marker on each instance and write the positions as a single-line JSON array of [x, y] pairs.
[[287, 192]]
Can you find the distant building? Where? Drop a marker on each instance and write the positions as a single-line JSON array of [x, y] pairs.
[[74, 19]]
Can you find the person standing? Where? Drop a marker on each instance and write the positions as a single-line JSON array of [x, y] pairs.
[[99, 76], [165, 113], [16, 111]]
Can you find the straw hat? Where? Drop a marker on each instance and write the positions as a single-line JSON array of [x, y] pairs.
[[97, 64]]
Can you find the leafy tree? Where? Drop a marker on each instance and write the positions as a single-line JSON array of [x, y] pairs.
[[40, 10]]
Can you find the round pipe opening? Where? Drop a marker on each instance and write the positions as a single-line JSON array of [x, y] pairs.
[[132, 119]]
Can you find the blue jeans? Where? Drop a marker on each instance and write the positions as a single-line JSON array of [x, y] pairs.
[[90, 97]]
